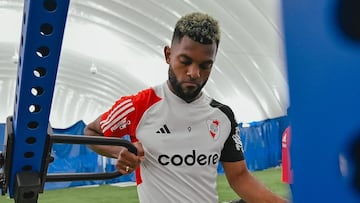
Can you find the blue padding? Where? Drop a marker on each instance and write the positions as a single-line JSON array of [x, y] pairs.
[[262, 143], [2, 135]]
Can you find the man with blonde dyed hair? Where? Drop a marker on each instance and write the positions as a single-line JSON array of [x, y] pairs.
[[181, 133]]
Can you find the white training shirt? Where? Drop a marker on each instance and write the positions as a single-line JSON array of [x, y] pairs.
[[183, 143]]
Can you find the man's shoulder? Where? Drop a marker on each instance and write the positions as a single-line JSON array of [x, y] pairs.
[[150, 90], [224, 108], [148, 95]]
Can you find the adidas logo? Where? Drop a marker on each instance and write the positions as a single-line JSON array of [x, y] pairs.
[[163, 130]]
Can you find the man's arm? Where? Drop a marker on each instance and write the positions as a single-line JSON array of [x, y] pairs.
[[247, 186], [94, 129], [125, 159]]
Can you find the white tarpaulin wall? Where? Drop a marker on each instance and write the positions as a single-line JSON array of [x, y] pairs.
[[114, 48]]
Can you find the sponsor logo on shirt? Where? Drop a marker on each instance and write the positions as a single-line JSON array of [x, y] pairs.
[[163, 130], [121, 124], [236, 138], [116, 116], [189, 159]]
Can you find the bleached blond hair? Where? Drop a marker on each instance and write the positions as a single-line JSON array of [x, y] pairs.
[[200, 27]]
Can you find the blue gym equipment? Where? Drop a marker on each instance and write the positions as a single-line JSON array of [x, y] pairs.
[[322, 43], [28, 138]]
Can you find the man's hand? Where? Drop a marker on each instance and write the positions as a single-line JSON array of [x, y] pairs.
[[127, 162]]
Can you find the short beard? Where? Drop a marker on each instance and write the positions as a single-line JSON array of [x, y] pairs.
[[175, 84]]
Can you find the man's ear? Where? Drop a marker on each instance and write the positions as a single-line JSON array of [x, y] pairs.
[[167, 51]]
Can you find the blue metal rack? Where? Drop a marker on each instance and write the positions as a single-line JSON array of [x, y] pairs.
[[40, 47], [28, 137]]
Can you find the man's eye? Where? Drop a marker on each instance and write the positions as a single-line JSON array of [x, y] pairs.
[[186, 62], [206, 66]]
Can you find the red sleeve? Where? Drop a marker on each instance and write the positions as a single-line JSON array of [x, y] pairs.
[[124, 116]]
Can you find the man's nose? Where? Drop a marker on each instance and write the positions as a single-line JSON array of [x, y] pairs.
[[193, 71]]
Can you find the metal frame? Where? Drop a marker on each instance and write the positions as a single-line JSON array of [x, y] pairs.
[[28, 136]]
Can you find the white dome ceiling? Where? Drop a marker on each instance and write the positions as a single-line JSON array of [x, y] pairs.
[[115, 47]]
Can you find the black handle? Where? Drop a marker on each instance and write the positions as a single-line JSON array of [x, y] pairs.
[[96, 140], [85, 139]]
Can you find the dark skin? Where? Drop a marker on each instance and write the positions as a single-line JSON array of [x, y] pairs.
[[190, 65]]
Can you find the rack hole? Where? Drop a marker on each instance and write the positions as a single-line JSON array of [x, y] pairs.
[[34, 108], [30, 140], [43, 51], [37, 91], [24, 18], [27, 168], [46, 29], [33, 124], [39, 72], [349, 18], [28, 154], [50, 5]]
